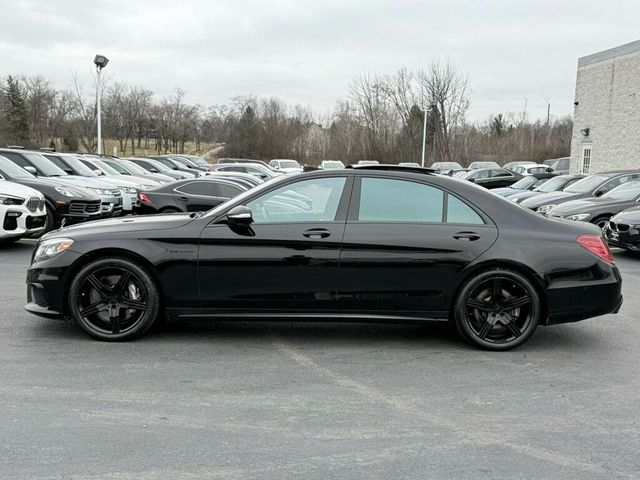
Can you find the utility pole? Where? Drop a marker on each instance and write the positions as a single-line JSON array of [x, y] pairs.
[[100, 61]]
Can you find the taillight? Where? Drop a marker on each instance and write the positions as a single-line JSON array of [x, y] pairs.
[[143, 198], [596, 245]]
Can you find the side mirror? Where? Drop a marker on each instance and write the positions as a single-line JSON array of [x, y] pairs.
[[599, 193], [240, 215], [472, 180], [31, 170], [98, 172]]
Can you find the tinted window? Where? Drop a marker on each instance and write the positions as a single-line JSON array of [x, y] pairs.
[[500, 173], [197, 188], [228, 191], [57, 161], [313, 200], [460, 212], [389, 200]]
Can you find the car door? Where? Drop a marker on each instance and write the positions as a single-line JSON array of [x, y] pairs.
[[287, 259], [501, 178], [405, 243]]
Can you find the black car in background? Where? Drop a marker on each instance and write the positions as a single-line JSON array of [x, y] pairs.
[[555, 184], [157, 167], [172, 164], [257, 170], [623, 230], [63, 202], [188, 195], [491, 177], [598, 210], [370, 244], [589, 187], [188, 163]]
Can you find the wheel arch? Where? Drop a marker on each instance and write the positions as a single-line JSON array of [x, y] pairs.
[[101, 253], [518, 267]]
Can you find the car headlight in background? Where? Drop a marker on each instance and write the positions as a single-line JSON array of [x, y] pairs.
[[9, 200], [578, 217], [101, 191], [544, 209], [131, 190], [51, 248], [66, 192]]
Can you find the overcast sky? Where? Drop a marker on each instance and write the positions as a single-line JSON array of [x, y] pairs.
[[308, 51]]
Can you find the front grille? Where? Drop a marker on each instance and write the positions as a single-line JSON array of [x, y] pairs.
[[619, 227], [38, 296], [82, 208], [34, 204]]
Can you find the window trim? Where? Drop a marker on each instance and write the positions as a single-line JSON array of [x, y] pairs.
[[354, 207]]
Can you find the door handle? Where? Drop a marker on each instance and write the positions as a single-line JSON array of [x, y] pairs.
[[186, 199], [468, 236], [316, 233]]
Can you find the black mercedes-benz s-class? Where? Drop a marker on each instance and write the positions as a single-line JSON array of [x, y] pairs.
[[366, 244]]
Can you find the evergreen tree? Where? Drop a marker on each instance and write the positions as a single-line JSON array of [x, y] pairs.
[[16, 113]]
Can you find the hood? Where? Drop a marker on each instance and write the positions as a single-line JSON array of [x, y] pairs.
[[506, 191], [521, 196], [17, 190], [591, 205], [130, 181], [552, 198], [630, 216], [86, 182], [47, 186], [122, 225]]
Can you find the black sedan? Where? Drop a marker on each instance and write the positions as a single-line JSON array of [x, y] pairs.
[[188, 195], [623, 230], [376, 244], [491, 177], [589, 187], [599, 210]]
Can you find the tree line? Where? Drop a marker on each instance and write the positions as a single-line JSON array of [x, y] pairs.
[[382, 118]]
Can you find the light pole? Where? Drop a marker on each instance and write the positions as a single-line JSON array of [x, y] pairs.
[[100, 62], [424, 133]]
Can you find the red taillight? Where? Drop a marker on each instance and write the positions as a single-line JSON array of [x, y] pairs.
[[143, 198], [596, 245]]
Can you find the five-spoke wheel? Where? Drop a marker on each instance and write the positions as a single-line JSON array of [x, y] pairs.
[[114, 299], [497, 309]]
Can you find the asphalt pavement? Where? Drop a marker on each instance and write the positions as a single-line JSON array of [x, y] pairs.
[[225, 400]]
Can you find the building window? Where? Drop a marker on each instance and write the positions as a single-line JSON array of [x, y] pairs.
[[586, 160]]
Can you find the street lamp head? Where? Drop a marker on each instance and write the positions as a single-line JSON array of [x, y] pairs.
[[101, 61]]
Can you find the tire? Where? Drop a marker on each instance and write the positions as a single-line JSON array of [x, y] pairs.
[[170, 210], [601, 222], [114, 299], [50, 222], [482, 313]]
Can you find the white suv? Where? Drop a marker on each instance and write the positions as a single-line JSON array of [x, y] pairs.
[[22, 211]]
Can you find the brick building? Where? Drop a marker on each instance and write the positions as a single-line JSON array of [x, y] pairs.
[[606, 122]]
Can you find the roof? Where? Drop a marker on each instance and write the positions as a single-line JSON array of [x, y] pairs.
[[610, 53]]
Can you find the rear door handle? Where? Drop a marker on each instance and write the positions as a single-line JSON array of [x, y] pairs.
[[469, 236], [317, 233]]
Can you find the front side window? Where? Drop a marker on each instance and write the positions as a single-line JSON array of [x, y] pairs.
[[309, 201]]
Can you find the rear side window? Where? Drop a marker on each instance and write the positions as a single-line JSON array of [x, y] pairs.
[[197, 188], [228, 191], [391, 200], [460, 212]]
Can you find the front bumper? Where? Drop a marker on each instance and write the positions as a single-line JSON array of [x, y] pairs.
[[80, 210], [111, 205], [628, 239], [20, 221]]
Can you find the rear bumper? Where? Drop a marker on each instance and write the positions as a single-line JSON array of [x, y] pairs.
[[575, 303]]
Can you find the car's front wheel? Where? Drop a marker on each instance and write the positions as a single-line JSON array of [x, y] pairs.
[[114, 299], [498, 309]]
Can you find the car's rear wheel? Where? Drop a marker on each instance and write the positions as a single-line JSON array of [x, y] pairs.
[[114, 299], [498, 309]]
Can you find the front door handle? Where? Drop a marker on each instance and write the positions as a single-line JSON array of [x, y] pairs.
[[186, 199], [317, 233], [468, 236]]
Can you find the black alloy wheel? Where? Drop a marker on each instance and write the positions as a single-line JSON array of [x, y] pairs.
[[498, 309], [114, 299]]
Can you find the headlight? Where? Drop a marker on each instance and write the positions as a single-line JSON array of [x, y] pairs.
[[100, 191], [51, 248], [578, 217], [8, 200], [544, 209], [66, 192], [130, 190]]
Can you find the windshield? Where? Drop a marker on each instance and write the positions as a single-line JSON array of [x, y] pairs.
[[117, 167], [134, 168], [587, 184], [105, 168], [11, 170], [524, 183], [78, 166], [552, 185], [626, 191], [47, 167], [167, 162], [289, 164]]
